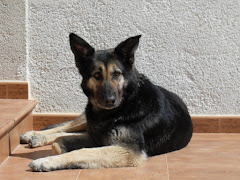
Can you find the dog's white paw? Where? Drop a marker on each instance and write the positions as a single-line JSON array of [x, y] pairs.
[[25, 138], [37, 140], [42, 164]]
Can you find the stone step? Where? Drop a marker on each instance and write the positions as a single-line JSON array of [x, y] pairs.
[[15, 119]]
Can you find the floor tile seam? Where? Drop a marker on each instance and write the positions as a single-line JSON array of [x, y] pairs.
[[166, 159], [78, 174], [4, 162]]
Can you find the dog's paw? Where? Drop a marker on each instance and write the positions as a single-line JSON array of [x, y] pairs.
[[37, 140], [42, 164], [25, 138]]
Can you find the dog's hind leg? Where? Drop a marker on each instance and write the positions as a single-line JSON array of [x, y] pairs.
[[91, 158], [75, 125]]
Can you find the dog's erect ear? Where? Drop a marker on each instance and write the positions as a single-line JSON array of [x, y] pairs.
[[127, 48], [80, 48]]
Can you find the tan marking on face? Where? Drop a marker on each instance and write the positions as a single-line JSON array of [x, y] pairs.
[[112, 67], [94, 84]]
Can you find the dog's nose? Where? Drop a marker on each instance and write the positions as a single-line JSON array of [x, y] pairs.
[[110, 100]]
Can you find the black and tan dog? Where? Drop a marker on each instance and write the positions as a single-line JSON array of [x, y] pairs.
[[127, 118]]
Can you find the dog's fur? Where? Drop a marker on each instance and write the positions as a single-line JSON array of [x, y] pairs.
[[128, 118]]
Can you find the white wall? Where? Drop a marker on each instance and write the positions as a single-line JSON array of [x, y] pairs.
[[189, 47], [13, 63]]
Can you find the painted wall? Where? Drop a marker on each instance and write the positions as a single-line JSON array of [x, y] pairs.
[[189, 47], [13, 63]]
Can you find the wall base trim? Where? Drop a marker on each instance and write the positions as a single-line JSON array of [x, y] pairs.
[[201, 123], [13, 90]]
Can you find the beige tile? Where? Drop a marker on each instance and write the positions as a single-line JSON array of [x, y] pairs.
[[216, 136], [153, 168], [24, 156], [4, 148], [16, 167], [206, 159], [8, 172]]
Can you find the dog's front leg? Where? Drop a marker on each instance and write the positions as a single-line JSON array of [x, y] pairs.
[[75, 125], [42, 140], [91, 158]]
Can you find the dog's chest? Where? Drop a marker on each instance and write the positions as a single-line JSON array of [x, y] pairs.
[[106, 132]]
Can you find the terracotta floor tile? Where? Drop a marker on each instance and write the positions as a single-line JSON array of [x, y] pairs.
[[208, 156], [206, 159], [24, 173], [25, 157], [153, 168]]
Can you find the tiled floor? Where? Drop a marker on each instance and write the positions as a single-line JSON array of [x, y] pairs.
[[209, 156]]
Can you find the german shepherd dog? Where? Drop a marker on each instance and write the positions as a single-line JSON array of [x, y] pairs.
[[126, 120]]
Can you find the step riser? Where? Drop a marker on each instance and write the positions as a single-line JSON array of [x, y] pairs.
[[13, 90]]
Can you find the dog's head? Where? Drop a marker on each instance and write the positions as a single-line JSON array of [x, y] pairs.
[[106, 73]]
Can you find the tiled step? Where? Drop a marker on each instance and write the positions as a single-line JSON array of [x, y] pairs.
[[208, 156], [15, 119]]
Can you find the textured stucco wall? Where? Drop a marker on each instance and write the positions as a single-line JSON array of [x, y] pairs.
[[189, 47], [13, 64]]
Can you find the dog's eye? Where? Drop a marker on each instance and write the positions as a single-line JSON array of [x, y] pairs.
[[97, 75], [116, 74]]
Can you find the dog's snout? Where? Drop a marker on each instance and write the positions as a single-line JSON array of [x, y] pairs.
[[109, 96], [110, 100]]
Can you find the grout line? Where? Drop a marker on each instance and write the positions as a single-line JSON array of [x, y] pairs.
[[167, 167], [78, 174], [15, 149], [4, 162]]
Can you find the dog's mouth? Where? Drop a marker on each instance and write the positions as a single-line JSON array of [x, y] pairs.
[[107, 106]]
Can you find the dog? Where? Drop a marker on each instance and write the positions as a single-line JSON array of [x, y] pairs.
[[127, 118]]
